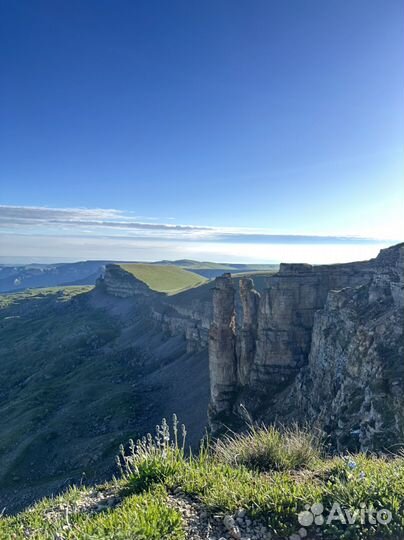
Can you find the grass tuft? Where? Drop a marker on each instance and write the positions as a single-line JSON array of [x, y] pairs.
[[265, 448]]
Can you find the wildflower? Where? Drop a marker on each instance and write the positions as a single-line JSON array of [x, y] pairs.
[[351, 464], [362, 475]]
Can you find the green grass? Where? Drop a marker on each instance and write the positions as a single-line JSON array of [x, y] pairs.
[[190, 264], [166, 279], [275, 497], [158, 466], [144, 517], [267, 448], [62, 294]]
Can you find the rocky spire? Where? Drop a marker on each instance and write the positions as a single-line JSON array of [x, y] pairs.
[[222, 353], [250, 303]]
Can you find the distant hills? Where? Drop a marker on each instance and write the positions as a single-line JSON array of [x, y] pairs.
[[20, 277]]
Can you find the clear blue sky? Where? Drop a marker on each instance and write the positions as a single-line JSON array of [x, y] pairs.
[[281, 115]]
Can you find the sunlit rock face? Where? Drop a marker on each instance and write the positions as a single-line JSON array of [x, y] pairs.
[[117, 282], [250, 299], [356, 362], [322, 343], [222, 351]]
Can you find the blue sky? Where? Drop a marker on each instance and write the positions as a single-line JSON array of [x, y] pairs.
[[240, 120]]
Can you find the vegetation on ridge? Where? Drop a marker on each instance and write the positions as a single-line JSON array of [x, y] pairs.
[[157, 470], [166, 279]]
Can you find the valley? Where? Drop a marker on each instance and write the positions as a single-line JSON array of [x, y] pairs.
[[84, 369]]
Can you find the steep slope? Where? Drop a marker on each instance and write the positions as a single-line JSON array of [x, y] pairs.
[[80, 372]]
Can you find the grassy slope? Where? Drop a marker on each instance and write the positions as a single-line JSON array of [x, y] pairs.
[[167, 279], [66, 393], [221, 482], [79, 373], [226, 267], [62, 294], [211, 270]]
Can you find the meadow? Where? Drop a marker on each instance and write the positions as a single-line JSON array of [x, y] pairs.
[[165, 279]]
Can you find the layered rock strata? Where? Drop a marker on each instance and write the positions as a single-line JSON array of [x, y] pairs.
[[117, 282], [222, 351], [320, 338], [250, 299]]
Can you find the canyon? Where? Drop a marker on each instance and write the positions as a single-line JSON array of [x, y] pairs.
[[86, 368], [317, 344]]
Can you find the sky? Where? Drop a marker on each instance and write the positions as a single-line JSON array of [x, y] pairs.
[[224, 130]]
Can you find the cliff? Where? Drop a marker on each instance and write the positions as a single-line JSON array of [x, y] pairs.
[[355, 365], [117, 282], [222, 351], [187, 314], [321, 343]]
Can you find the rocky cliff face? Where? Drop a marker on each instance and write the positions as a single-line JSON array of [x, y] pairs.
[[117, 282], [181, 314], [356, 361], [250, 299], [222, 351], [321, 343]]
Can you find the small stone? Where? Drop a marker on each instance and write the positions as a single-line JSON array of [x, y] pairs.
[[302, 532], [228, 522], [241, 513], [234, 532], [294, 537]]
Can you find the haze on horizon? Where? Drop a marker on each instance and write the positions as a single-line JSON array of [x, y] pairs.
[[235, 131]]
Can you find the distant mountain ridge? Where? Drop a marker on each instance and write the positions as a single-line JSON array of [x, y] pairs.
[[19, 277]]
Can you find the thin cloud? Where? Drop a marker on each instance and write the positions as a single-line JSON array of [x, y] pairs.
[[113, 223], [45, 213], [21, 216]]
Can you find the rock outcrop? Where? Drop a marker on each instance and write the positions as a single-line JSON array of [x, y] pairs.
[[355, 377], [250, 299], [222, 351], [117, 282], [321, 343], [181, 314]]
